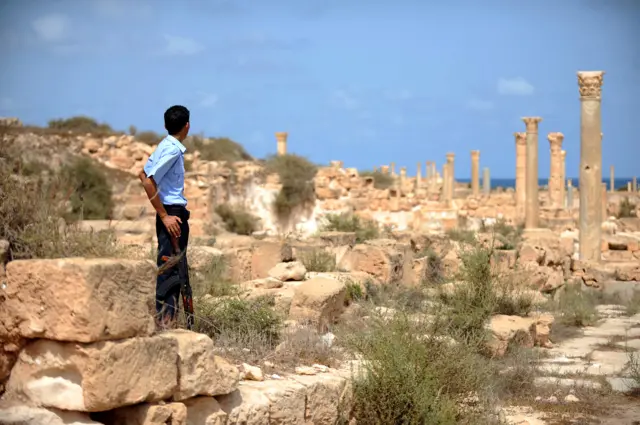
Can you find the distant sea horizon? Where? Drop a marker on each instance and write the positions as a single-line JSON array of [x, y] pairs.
[[620, 182]]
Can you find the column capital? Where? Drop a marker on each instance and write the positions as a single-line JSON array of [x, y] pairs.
[[590, 84], [282, 136], [475, 154], [521, 138], [555, 139], [532, 123], [450, 156]]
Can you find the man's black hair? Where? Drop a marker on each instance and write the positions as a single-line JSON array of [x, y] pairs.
[[175, 118]]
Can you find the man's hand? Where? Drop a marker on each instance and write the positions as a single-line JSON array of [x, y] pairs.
[[172, 223]]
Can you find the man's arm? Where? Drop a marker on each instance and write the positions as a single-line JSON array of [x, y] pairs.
[[151, 188]]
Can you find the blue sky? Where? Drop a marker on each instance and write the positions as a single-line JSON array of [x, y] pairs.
[[364, 81]]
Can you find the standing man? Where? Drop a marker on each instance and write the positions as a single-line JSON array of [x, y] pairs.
[[163, 181]]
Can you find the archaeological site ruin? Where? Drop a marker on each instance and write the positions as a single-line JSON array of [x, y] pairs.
[[323, 294]]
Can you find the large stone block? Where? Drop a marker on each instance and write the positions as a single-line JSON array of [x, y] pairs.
[[265, 256], [205, 411], [200, 372], [76, 299], [318, 300], [384, 263], [147, 414], [19, 414], [95, 377]]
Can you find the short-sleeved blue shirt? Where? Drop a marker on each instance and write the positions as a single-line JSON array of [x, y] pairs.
[[166, 166]]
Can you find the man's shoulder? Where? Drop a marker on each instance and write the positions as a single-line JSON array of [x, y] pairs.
[[166, 147]]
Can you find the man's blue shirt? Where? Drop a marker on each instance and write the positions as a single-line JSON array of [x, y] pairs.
[[166, 166]]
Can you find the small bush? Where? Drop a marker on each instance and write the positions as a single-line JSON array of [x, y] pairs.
[[509, 236], [633, 368], [302, 345], [463, 236], [33, 210], [354, 292], [91, 192], [149, 137], [296, 176], [80, 124], [380, 180], [626, 209], [348, 222], [217, 149], [575, 307], [406, 378], [433, 268], [633, 304], [318, 260], [237, 322], [237, 220], [213, 280]]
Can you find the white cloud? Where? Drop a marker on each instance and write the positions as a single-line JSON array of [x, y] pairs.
[[517, 86], [51, 28], [209, 100], [479, 104], [344, 99], [182, 45]]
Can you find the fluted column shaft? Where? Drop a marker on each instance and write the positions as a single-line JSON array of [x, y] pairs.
[[521, 168], [475, 173], [555, 172], [532, 210]]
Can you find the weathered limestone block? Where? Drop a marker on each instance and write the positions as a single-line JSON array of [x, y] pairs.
[[77, 299], [95, 377], [327, 397], [338, 238], [20, 414], [385, 264], [238, 262], [526, 331], [202, 257], [284, 272], [266, 254], [274, 402], [200, 372], [205, 411], [319, 300], [147, 414]]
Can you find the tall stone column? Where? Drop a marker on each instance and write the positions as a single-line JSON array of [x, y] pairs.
[[532, 210], [521, 168], [486, 181], [555, 173], [475, 173], [451, 174], [445, 182], [634, 184], [590, 85], [281, 139], [563, 180], [612, 179]]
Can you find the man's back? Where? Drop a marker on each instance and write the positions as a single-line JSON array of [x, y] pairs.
[[166, 166]]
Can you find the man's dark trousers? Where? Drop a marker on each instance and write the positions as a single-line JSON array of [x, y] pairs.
[[172, 281]]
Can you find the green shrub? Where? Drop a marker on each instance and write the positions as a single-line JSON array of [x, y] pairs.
[[354, 292], [508, 236], [149, 137], [217, 149], [433, 272], [318, 260], [296, 176], [237, 220], [380, 180], [80, 124], [348, 222], [240, 322], [91, 192], [575, 307], [626, 209], [463, 236], [33, 210], [408, 377]]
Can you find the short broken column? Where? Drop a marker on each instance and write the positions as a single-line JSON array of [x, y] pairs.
[[384, 169], [393, 169], [532, 210], [451, 174], [569, 195], [555, 172], [590, 86], [419, 174], [475, 173], [445, 182], [612, 179], [521, 167], [281, 139], [486, 181], [634, 184]]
